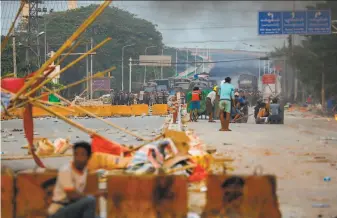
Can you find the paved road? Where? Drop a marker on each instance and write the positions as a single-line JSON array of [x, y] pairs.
[[291, 152], [53, 128]]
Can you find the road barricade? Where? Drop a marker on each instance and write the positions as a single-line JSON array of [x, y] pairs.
[[146, 196], [242, 196], [159, 109], [7, 193], [140, 109], [34, 190]]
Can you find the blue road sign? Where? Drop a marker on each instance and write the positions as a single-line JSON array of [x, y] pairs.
[[270, 23], [313, 22], [319, 22], [294, 22]]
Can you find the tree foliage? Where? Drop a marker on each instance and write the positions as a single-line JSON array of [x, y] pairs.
[[123, 27], [315, 55]]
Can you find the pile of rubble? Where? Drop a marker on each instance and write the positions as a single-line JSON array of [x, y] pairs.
[[85, 102]]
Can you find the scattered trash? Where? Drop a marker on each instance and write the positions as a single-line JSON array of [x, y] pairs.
[[320, 205], [327, 179], [227, 143], [139, 139], [17, 130]]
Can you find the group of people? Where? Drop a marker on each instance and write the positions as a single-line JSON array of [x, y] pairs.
[[230, 103], [129, 98]]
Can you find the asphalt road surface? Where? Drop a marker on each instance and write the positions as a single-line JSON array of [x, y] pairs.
[[51, 128], [301, 153]]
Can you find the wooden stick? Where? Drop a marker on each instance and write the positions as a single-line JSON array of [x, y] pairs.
[[68, 66], [170, 171], [25, 157], [59, 106], [4, 42], [68, 86], [70, 122], [66, 45]]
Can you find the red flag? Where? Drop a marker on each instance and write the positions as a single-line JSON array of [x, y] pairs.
[[99, 144], [198, 174]]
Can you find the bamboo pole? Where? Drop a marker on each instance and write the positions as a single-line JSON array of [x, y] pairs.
[[68, 66], [55, 105], [5, 41], [69, 121], [25, 157], [60, 89], [66, 45], [99, 118], [170, 171], [70, 50]]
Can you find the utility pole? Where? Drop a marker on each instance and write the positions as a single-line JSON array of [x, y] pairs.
[[195, 60], [91, 66], [323, 85], [130, 74], [176, 62], [14, 57], [161, 69], [87, 69], [145, 64], [187, 53]]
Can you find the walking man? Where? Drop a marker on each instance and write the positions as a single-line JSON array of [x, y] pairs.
[[210, 99], [225, 103]]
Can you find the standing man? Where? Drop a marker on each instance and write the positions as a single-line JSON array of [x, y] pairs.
[[195, 101], [210, 99], [69, 200], [226, 98]]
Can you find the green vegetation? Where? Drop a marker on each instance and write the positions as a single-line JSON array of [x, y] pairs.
[[315, 55], [123, 27]]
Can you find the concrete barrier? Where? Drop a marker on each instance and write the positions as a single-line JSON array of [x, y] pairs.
[[101, 111], [34, 189], [159, 109], [139, 109]]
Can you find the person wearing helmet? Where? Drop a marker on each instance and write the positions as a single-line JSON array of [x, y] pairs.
[[226, 97], [210, 99]]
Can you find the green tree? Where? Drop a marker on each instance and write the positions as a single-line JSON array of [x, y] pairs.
[[315, 55]]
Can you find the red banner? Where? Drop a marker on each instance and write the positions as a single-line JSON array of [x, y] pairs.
[[269, 79]]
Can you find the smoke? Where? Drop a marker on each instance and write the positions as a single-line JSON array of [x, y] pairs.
[[198, 21]]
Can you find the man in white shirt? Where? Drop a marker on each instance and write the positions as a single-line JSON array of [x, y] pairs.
[[69, 200], [210, 99]]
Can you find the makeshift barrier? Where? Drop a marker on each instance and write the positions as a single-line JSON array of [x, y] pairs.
[[140, 109], [7, 193], [241, 196], [100, 110], [146, 196], [35, 189], [159, 109]]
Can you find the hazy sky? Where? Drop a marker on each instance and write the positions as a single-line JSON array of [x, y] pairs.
[[214, 24]]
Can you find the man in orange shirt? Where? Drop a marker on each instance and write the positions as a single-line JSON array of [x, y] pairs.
[[195, 102]]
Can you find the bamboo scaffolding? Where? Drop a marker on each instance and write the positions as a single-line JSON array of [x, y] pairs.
[[65, 46], [70, 50], [5, 41], [60, 89], [67, 67]]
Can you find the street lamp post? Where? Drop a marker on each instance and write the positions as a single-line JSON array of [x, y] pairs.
[[195, 60], [176, 62], [153, 46], [123, 64]]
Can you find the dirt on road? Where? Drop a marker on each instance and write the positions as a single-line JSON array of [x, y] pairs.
[[301, 153]]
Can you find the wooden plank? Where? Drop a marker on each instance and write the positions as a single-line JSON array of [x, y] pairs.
[[241, 196], [32, 199], [146, 196], [7, 193]]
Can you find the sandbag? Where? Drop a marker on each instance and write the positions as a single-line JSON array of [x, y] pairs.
[[107, 161]]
